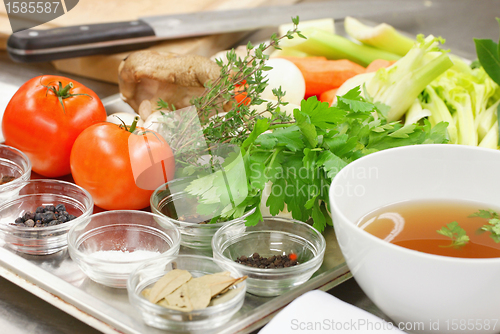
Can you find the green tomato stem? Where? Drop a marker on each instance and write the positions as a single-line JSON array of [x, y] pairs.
[[65, 91], [134, 124], [62, 93]]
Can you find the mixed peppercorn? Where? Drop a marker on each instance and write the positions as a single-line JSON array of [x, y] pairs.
[[272, 262], [44, 216]]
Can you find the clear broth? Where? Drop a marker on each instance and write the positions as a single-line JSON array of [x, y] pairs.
[[414, 224]]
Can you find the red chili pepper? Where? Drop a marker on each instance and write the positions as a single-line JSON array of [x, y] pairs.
[[292, 256]]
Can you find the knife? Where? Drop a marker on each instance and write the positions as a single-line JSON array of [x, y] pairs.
[[34, 45]]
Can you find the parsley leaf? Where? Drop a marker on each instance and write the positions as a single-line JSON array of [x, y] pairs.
[[321, 114], [457, 235], [352, 101], [493, 225], [260, 127], [289, 137], [486, 214], [306, 127]]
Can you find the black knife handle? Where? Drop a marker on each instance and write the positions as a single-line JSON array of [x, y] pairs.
[[75, 41]]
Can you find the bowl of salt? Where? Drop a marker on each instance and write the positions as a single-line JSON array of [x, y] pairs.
[[108, 246]]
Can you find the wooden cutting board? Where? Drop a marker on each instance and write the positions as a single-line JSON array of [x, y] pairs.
[[105, 67]]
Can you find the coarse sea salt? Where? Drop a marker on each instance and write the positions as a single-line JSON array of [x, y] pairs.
[[118, 261], [123, 256]]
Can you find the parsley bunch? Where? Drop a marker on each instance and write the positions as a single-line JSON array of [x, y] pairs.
[[301, 158]]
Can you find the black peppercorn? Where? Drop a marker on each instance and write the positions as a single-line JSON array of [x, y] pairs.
[[48, 217], [44, 216], [28, 215], [63, 219], [257, 261]]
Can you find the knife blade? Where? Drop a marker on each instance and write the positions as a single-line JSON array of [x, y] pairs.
[[34, 45]]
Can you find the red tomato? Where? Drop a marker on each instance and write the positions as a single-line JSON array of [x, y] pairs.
[[36, 122], [120, 169]]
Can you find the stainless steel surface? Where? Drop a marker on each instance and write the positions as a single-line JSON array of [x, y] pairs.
[[215, 22], [458, 21], [108, 308]]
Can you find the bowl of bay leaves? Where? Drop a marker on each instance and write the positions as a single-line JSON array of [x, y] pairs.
[[419, 227], [186, 293]]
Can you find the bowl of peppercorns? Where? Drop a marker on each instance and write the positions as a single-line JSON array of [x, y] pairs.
[[38, 219], [277, 254]]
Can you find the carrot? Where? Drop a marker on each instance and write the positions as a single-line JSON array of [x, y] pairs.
[[328, 95], [321, 74], [378, 63], [240, 95]]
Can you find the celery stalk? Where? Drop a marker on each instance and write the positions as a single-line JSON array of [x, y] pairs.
[[461, 102], [288, 52], [327, 25], [401, 93], [486, 120], [399, 85], [491, 138], [416, 113], [439, 112], [331, 46], [382, 36]]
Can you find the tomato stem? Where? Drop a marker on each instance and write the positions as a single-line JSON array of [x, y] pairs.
[[62, 92], [134, 124], [123, 123]]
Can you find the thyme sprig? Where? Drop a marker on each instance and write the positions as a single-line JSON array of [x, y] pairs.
[[239, 77]]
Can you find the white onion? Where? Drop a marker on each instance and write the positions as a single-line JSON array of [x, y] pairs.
[[289, 77]]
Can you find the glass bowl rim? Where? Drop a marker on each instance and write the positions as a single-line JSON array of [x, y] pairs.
[[14, 183], [155, 209], [72, 245], [273, 271], [60, 227], [144, 303]]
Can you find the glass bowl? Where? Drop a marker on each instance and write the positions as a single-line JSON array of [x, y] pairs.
[[35, 193], [13, 163], [171, 202], [273, 236], [108, 246], [173, 320]]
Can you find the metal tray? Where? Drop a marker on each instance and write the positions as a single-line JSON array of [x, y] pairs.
[[58, 280]]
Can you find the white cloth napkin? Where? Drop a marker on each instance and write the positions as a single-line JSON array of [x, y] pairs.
[[319, 312]]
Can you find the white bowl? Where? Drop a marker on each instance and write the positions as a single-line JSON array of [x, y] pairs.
[[435, 293]]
